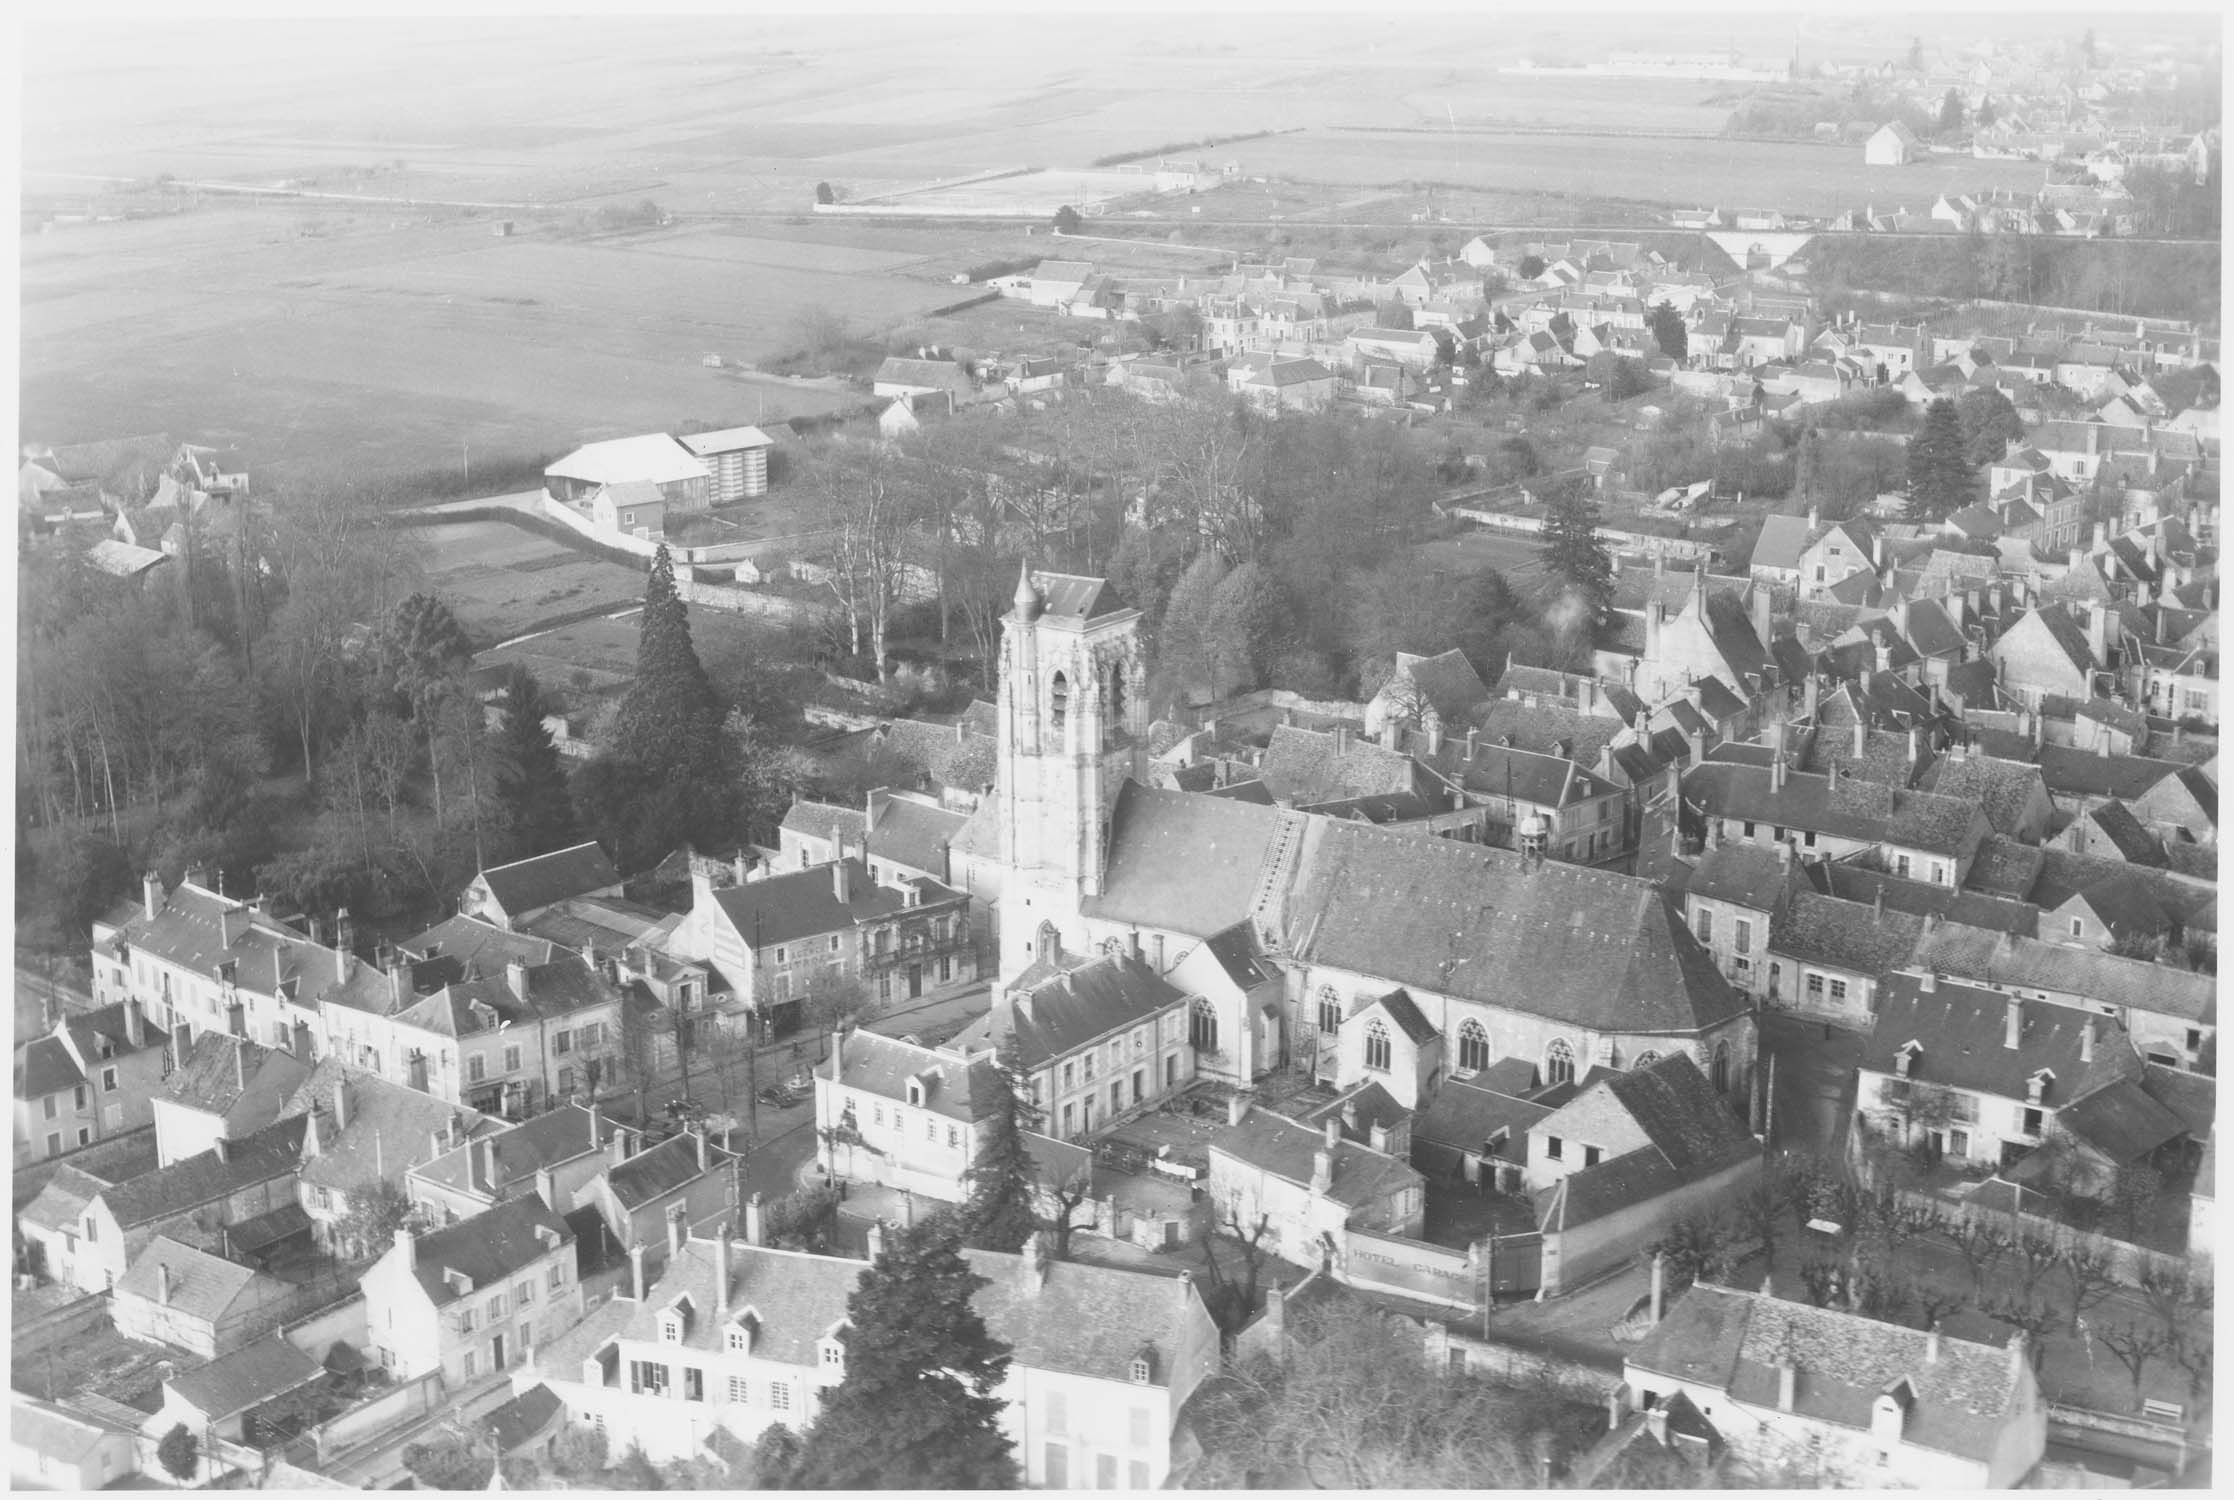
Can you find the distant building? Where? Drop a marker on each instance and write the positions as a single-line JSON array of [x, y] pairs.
[[738, 457], [683, 481], [1894, 145]]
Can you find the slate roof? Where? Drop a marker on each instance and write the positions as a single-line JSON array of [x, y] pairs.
[[62, 1202], [914, 835], [2035, 964], [1074, 596], [188, 930], [1054, 1012], [1399, 1008], [652, 1174], [556, 1135], [1541, 730], [1084, 1319], [1448, 683], [961, 757], [795, 1299], [529, 884], [1439, 916], [192, 1181], [1853, 809], [35, 1426], [1680, 1114], [804, 904], [2114, 824], [1285, 1148], [489, 1248], [2004, 867], [1182, 863], [43, 1066], [525, 1417], [469, 940], [1465, 1113], [1961, 1027], [245, 1378], [1852, 882], [955, 1087], [2122, 1122], [2070, 771], [1743, 875], [1734, 1341]]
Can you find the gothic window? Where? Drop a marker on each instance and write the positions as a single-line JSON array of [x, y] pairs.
[[1058, 702], [1473, 1046], [1116, 717], [1330, 1009], [1376, 1048], [1721, 1073], [1205, 1026], [1559, 1062], [1050, 943]]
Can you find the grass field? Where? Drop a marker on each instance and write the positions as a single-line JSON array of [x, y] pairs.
[[1795, 177], [604, 650], [501, 580]]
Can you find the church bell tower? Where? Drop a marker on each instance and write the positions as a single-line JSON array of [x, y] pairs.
[[1073, 727]]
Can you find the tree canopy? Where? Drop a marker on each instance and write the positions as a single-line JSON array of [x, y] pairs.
[[917, 1408], [1940, 475], [1573, 553], [1668, 331], [531, 790], [998, 1214]]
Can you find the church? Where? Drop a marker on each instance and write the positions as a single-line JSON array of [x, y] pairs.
[[1325, 947]]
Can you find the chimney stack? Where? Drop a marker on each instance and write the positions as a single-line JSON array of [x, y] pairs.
[[151, 893], [754, 1234], [2086, 1041], [345, 935], [1322, 1171], [135, 1025], [240, 1063], [1659, 1288], [1237, 1108], [409, 1246], [876, 1240], [163, 1282], [841, 879], [636, 1285], [1931, 1343], [1928, 982], [1331, 1129], [722, 1271], [515, 976], [677, 1229], [700, 1136], [2013, 1024], [341, 1106], [1787, 1384]]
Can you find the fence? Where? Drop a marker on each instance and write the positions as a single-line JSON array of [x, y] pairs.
[[61, 1324], [640, 546], [1412, 1268], [317, 1333], [2127, 1262]]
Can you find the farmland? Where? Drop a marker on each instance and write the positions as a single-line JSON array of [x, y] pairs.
[[1795, 177], [501, 580]]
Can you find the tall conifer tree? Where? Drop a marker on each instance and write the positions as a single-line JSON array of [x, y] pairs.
[[530, 777], [918, 1407]]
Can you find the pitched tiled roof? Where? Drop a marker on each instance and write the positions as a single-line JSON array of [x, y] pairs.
[[1308, 766], [1448, 683], [2122, 1121], [954, 1087], [1286, 1148], [1400, 1009], [1060, 1012], [1844, 935], [1438, 916], [1742, 874], [2114, 824], [1183, 863], [1464, 1114], [1734, 1341], [528, 884], [488, 1248], [525, 1417], [2070, 771], [2002, 789], [62, 1202], [1085, 1319], [201, 1285], [469, 940], [247, 1377], [1680, 1114], [1961, 1032], [193, 1181], [653, 1174], [805, 904], [914, 834], [234, 1077], [1852, 882], [43, 1066]]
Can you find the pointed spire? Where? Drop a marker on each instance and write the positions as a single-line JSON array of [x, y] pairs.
[[1028, 601]]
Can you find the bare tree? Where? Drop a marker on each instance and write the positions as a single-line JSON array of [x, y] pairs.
[[1067, 1197], [2086, 1270], [2134, 1344], [875, 510], [2034, 1253], [1981, 1243]]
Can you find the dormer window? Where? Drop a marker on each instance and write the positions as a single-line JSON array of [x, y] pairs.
[[1904, 1061], [743, 1331], [2036, 1087], [670, 1327], [915, 1092], [1143, 1368], [833, 1356]]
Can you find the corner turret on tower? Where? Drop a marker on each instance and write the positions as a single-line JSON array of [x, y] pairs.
[[1028, 601]]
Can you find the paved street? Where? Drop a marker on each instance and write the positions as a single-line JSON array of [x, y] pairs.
[[1814, 1090]]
